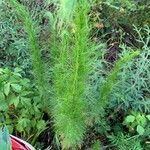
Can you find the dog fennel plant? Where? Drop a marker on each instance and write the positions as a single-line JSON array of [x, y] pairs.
[[71, 52], [70, 75], [31, 30], [107, 87]]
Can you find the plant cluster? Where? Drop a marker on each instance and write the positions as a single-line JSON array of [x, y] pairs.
[[138, 122], [20, 104], [13, 49], [78, 87]]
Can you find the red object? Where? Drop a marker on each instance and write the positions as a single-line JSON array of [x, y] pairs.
[[16, 145]]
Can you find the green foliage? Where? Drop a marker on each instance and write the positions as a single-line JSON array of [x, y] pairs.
[[65, 72], [84, 89], [122, 142], [37, 62], [126, 12], [20, 104], [70, 76], [72, 67], [13, 49], [133, 88], [107, 87], [113, 19]]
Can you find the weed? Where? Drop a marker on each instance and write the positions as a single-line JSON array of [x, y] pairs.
[[38, 66], [70, 76]]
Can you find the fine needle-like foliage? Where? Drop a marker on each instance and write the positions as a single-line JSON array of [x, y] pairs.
[[111, 80], [31, 31], [70, 76]]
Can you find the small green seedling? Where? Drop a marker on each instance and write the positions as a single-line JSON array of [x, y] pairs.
[[137, 122]]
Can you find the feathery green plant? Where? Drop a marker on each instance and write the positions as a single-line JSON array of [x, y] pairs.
[[70, 76], [122, 142], [107, 87], [134, 88], [71, 58], [31, 29]]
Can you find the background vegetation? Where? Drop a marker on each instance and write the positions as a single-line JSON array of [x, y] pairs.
[[76, 74]]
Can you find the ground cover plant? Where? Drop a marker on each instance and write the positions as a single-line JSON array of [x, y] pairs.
[[81, 77]]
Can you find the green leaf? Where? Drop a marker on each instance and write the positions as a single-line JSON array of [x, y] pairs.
[[41, 124], [141, 119], [1, 70], [16, 87], [148, 117], [17, 74], [129, 119], [14, 100], [140, 130], [3, 106], [17, 70], [6, 134], [26, 102], [7, 89], [25, 93], [2, 96], [22, 124], [25, 83]]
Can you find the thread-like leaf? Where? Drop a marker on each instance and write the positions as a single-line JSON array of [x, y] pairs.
[[37, 62], [107, 87]]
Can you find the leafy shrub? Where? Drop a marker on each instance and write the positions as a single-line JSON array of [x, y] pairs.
[[20, 104], [71, 71]]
